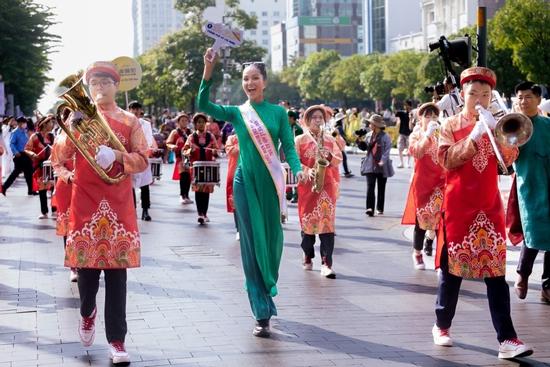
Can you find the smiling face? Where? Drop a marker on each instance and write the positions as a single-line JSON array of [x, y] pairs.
[[528, 102], [102, 88], [476, 93], [253, 83]]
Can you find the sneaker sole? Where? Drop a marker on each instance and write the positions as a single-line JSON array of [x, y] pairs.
[[119, 360], [520, 355]]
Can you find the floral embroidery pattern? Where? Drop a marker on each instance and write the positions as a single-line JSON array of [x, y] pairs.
[[481, 254], [430, 215], [103, 243], [62, 223], [432, 151], [484, 151], [320, 219]]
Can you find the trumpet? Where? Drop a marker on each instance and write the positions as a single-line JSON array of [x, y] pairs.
[[92, 130], [511, 130]]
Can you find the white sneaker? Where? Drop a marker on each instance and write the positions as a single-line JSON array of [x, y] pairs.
[[513, 348], [307, 263], [442, 337], [43, 216], [237, 236], [327, 272], [188, 201], [183, 201], [200, 220], [86, 329], [418, 261], [73, 276], [206, 219], [118, 352]]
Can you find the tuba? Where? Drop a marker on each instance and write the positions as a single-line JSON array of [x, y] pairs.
[[511, 130], [89, 132]]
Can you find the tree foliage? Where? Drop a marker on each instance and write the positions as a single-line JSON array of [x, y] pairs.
[[401, 69], [372, 79], [346, 82], [309, 81], [521, 26], [24, 47]]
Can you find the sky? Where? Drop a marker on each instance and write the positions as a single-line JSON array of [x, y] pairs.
[[90, 30]]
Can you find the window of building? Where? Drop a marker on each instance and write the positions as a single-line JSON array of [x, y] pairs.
[[265, 42], [265, 23], [276, 14], [264, 14], [264, 33], [253, 32]]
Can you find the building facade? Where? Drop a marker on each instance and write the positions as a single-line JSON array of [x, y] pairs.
[[315, 25], [152, 20], [391, 19]]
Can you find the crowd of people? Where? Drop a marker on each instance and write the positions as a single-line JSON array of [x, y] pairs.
[[454, 200]]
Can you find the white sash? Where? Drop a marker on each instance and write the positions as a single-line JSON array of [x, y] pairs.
[[263, 142]]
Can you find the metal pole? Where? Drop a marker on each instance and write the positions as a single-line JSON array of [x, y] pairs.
[[482, 36]]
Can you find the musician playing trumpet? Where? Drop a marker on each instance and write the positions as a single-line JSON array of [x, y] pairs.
[[473, 240], [320, 156], [201, 146], [425, 197]]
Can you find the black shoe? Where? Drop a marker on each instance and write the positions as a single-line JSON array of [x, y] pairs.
[[348, 175], [294, 200], [145, 215], [428, 249], [261, 330], [370, 212], [32, 193]]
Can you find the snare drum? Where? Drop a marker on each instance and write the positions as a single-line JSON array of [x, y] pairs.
[[206, 172], [290, 178], [47, 172], [156, 167]]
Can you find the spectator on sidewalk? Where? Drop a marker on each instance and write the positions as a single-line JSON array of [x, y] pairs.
[[21, 160], [403, 122]]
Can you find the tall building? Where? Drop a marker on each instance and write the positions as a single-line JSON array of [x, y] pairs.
[[152, 20], [389, 19], [446, 17], [314, 25]]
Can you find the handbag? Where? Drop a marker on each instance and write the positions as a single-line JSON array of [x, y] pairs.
[[389, 171], [171, 157], [363, 169]]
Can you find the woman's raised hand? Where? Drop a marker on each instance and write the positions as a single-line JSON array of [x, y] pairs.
[[210, 58]]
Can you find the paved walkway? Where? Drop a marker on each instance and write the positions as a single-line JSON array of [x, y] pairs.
[[187, 306]]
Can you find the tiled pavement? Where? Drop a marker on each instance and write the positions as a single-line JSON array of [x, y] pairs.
[[187, 306]]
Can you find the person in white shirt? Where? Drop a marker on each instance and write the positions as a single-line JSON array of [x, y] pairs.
[[145, 178], [451, 103]]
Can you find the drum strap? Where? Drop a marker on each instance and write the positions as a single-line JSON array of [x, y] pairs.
[[202, 146], [47, 148]]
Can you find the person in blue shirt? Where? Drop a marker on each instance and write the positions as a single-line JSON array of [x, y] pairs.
[[21, 160]]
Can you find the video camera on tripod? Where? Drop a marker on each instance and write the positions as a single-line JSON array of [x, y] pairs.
[[458, 50]]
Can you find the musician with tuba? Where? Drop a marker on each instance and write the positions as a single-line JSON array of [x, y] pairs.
[[109, 146], [472, 242], [533, 190], [320, 156]]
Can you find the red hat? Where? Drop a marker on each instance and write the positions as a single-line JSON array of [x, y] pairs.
[[479, 73], [326, 111], [106, 67]]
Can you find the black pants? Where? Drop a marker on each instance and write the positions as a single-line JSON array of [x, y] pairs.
[[235, 219], [201, 200], [115, 299], [498, 294], [185, 184], [419, 235], [43, 195], [345, 162], [527, 258], [145, 197], [327, 246], [21, 164], [372, 180]]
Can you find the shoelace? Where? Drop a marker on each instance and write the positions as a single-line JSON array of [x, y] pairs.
[[514, 341], [119, 346], [444, 332], [88, 323]]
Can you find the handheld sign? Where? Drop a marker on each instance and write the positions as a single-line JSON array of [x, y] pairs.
[[130, 72], [223, 35]]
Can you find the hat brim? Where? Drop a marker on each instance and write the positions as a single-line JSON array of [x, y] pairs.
[[102, 69], [478, 77]]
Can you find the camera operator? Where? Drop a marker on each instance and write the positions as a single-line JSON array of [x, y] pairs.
[[451, 103]]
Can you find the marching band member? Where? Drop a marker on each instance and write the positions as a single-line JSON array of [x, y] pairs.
[[62, 196], [201, 146], [145, 178], [533, 191], [103, 232], [317, 205], [425, 197], [232, 151], [38, 148], [259, 184], [175, 142], [472, 243]]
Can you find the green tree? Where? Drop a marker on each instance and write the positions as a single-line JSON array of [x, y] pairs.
[[373, 82], [430, 71], [522, 27], [345, 78], [401, 68], [24, 47], [309, 81], [291, 74]]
